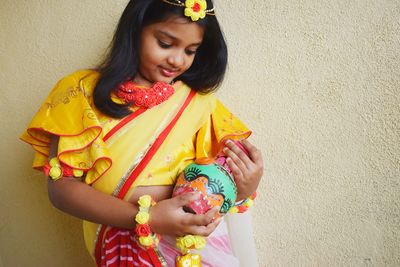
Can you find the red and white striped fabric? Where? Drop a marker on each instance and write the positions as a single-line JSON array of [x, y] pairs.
[[121, 250]]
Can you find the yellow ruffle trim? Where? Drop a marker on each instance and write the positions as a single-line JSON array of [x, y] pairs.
[[221, 126], [69, 114]]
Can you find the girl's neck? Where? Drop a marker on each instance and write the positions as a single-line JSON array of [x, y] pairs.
[[141, 81]]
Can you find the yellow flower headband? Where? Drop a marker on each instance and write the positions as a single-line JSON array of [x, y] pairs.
[[194, 9]]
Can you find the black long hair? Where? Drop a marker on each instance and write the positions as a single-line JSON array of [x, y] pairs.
[[122, 62]]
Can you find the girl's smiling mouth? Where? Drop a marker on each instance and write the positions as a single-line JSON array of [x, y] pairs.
[[168, 72]]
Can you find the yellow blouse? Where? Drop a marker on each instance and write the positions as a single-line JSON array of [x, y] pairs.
[[69, 112]]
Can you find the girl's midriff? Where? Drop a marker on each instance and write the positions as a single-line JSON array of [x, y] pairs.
[[159, 192]]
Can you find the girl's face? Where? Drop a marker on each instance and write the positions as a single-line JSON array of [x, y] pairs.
[[167, 49]]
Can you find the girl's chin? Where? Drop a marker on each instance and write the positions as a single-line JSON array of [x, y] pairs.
[[165, 80], [156, 78]]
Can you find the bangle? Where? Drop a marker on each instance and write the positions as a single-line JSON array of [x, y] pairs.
[[143, 232], [55, 170], [243, 205]]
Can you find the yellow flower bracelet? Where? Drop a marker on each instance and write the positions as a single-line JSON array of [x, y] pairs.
[[143, 232], [55, 170], [244, 205]]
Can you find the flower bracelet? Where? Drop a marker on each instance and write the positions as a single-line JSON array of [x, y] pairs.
[[55, 170], [143, 232], [243, 205]]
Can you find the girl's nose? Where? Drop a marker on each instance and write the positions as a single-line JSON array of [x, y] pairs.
[[176, 59]]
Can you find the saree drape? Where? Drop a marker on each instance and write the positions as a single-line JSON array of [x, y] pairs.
[[112, 152]]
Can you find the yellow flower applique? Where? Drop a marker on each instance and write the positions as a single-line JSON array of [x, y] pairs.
[[142, 217], [145, 201]]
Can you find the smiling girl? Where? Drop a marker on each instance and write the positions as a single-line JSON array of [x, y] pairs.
[[107, 137]]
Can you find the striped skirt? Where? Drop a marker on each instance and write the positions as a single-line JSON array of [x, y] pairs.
[[121, 250]]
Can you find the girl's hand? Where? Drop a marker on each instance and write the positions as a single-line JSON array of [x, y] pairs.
[[246, 169], [168, 217]]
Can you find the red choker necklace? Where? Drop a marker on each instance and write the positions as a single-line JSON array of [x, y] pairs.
[[144, 97]]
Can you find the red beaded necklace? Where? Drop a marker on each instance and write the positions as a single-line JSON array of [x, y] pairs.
[[144, 97]]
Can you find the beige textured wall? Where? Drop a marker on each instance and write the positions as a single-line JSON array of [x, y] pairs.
[[318, 81]]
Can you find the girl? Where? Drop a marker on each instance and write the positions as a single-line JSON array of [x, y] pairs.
[[108, 136]]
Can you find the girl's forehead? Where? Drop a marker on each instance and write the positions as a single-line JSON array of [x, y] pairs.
[[177, 28]]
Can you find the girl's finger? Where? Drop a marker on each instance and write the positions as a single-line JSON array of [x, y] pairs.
[[212, 226], [239, 153], [185, 199], [237, 173], [204, 230], [235, 158], [212, 213], [254, 153], [203, 219]]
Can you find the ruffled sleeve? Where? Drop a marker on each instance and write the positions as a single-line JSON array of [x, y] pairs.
[[222, 125], [68, 113]]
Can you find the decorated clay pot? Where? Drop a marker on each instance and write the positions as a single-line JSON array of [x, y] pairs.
[[213, 181]]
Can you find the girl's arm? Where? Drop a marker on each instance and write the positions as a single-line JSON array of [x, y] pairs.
[[81, 200], [167, 217]]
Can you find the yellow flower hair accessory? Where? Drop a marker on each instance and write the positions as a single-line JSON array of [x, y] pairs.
[[194, 9]]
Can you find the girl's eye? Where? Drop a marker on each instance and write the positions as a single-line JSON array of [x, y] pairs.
[[190, 52], [163, 45]]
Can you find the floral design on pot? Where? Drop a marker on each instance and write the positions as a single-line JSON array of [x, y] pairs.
[[213, 181]]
